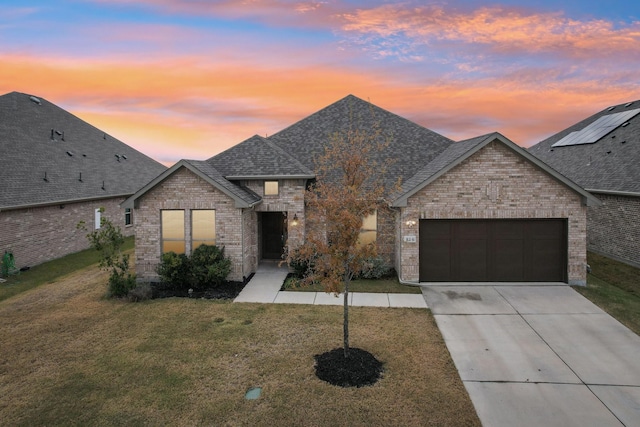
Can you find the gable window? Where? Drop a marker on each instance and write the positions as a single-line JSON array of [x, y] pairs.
[[172, 231], [369, 230], [127, 216], [271, 188], [203, 228]]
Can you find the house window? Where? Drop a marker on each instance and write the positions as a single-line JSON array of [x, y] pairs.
[[127, 216], [97, 218], [271, 188], [172, 229], [369, 230], [203, 228]]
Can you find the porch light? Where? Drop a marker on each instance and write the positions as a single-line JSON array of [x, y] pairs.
[[294, 221], [410, 223]]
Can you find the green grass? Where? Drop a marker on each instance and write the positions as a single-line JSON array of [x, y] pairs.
[[388, 285], [52, 271], [71, 357], [614, 287]]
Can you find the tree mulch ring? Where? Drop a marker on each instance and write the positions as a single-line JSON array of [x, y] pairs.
[[227, 290], [360, 369]]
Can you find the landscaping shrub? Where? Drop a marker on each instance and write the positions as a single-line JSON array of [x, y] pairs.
[[209, 267], [174, 269], [374, 268], [300, 266]]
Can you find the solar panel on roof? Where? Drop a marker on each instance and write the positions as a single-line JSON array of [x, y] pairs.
[[596, 130]]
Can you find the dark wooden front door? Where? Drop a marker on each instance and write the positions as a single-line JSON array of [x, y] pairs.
[[273, 234], [520, 250]]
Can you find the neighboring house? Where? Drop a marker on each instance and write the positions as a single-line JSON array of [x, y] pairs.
[[602, 154], [55, 171], [477, 210]]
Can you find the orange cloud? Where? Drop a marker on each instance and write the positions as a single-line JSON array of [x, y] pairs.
[[185, 107]]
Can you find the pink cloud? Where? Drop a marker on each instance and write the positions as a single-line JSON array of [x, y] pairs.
[[500, 28]]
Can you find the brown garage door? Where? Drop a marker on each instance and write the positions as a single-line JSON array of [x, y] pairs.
[[493, 250]]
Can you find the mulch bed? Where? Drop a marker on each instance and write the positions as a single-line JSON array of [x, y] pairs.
[[360, 369], [228, 290]]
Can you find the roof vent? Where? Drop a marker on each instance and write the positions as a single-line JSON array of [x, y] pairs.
[[124, 157], [103, 185], [628, 104], [35, 100], [58, 132], [69, 153], [625, 124], [118, 157], [45, 177], [611, 108], [53, 137], [80, 178]]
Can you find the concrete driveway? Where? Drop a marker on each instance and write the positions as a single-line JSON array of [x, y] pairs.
[[539, 354]]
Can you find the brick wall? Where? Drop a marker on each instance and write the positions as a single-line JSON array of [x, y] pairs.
[[613, 230], [187, 191], [494, 183], [37, 235]]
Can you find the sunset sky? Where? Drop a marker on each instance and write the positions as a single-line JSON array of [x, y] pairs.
[[188, 79]]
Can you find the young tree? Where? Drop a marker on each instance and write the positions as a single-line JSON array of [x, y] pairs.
[[108, 241], [348, 187]]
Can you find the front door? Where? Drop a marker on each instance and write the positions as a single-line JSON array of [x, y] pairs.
[[274, 229]]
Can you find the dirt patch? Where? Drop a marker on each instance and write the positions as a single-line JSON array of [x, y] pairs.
[[361, 368]]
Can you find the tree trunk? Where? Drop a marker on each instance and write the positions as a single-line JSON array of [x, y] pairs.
[[345, 326]]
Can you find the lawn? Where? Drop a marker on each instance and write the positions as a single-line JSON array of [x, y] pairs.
[[614, 287], [52, 271], [71, 357]]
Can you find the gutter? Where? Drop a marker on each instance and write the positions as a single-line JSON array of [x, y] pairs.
[[614, 193], [60, 202]]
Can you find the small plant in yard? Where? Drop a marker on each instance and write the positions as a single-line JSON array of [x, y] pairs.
[[108, 241]]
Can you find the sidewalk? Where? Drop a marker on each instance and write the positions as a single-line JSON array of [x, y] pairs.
[[264, 287]]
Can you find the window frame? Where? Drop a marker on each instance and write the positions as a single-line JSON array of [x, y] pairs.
[[163, 239], [273, 181], [128, 217], [193, 230], [374, 230]]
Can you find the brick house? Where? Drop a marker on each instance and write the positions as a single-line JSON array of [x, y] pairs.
[[602, 154], [57, 170], [477, 210]]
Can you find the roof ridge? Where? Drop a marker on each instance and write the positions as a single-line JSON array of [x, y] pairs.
[[289, 156]]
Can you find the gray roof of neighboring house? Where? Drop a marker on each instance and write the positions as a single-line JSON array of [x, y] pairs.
[[80, 162], [257, 157], [612, 164], [458, 152]]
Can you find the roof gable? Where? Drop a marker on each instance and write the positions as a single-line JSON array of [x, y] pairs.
[[258, 158], [243, 197], [458, 152], [610, 164], [50, 156]]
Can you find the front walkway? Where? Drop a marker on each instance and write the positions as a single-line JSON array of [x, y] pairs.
[[532, 355], [264, 287]]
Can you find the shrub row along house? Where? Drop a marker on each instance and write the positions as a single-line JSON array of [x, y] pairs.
[[57, 170], [483, 209], [602, 154]]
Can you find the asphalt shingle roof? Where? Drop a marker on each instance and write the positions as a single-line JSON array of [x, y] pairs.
[[411, 146], [258, 157], [610, 164], [37, 138]]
